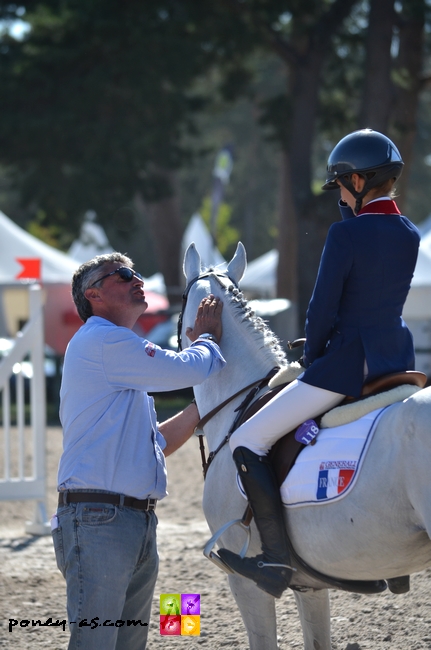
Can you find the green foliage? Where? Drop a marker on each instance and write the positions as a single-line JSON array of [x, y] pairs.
[[252, 192], [95, 100], [50, 234]]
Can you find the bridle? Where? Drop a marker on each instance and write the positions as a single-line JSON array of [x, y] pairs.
[[186, 295], [255, 386]]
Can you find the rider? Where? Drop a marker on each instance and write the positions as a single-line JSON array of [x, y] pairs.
[[354, 332]]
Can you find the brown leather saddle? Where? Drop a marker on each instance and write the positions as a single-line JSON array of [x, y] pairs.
[[285, 451]]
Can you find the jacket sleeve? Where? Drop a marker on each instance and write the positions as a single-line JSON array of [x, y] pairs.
[[335, 265], [132, 362]]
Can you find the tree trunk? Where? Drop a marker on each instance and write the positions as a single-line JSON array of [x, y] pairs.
[[304, 68], [305, 100], [407, 77], [377, 97], [287, 242], [165, 226]]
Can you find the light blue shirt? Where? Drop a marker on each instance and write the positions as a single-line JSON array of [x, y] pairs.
[[110, 436]]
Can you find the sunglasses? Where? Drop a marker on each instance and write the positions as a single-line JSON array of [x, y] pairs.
[[127, 274]]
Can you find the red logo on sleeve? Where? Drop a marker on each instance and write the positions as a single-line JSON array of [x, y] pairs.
[[150, 349]]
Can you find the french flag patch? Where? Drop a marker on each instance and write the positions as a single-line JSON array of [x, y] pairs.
[[334, 477], [150, 349]]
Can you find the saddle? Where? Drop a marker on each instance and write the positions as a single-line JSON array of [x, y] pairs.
[[285, 451]]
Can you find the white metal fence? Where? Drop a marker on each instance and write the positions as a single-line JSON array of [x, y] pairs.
[[22, 435]]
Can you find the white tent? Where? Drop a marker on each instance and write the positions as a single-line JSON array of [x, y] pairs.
[[19, 252], [198, 233], [425, 226], [418, 304], [25, 259], [260, 277]]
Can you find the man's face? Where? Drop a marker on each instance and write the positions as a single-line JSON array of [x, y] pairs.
[[119, 296]]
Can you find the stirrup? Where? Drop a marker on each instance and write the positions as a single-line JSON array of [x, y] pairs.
[[214, 557]]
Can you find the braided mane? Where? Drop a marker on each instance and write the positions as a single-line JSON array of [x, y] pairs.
[[255, 325]]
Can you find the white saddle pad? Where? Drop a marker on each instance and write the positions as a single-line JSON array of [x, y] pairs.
[[328, 469]]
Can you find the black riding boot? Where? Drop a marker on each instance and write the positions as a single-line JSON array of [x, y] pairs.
[[271, 570]]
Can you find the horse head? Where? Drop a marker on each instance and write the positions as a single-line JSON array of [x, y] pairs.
[[250, 348]]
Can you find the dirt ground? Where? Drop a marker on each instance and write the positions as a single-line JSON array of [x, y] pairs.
[[31, 587]]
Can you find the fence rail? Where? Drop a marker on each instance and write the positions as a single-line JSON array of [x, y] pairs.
[[22, 453]]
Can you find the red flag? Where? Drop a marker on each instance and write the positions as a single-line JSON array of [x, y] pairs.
[[31, 268]]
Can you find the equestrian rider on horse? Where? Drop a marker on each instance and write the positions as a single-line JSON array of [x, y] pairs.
[[354, 333]]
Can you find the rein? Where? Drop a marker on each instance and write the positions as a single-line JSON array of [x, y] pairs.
[[256, 386]]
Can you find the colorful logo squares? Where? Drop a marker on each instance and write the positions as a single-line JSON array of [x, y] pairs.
[[180, 614]]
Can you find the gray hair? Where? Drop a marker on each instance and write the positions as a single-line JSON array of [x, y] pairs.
[[87, 274]]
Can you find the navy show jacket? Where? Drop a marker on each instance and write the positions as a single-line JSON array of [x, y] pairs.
[[355, 312]]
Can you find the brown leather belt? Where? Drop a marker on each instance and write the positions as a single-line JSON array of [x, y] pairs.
[[66, 497]]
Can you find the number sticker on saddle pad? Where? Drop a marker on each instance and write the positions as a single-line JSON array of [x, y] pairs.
[[307, 432], [328, 469]]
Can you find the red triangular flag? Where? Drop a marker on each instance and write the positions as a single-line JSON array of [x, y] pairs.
[[31, 268]]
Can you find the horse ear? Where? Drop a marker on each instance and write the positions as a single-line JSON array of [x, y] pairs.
[[192, 263], [238, 264]]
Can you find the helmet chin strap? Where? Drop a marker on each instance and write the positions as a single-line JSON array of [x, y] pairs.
[[346, 182], [377, 179]]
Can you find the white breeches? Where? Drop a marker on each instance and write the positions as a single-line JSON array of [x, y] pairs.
[[286, 411]]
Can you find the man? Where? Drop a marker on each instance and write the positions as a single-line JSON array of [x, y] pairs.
[[112, 470]]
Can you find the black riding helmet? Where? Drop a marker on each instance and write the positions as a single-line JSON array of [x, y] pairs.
[[367, 153]]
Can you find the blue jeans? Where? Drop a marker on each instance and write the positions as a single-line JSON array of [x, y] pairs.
[[108, 556]]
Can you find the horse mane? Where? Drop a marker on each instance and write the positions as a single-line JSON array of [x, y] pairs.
[[265, 338]]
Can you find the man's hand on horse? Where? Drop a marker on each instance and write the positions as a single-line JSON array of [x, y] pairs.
[[208, 319]]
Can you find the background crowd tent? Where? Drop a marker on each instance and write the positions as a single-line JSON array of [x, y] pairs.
[[260, 277], [197, 233], [417, 310], [25, 259]]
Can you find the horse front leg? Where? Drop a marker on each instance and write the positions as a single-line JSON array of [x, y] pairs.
[[258, 613], [314, 613]]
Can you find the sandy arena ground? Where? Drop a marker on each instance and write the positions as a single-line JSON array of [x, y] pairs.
[[31, 587]]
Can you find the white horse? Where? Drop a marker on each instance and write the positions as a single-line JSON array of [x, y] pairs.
[[380, 530]]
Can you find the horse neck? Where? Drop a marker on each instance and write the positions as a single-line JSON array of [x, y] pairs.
[[248, 359]]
